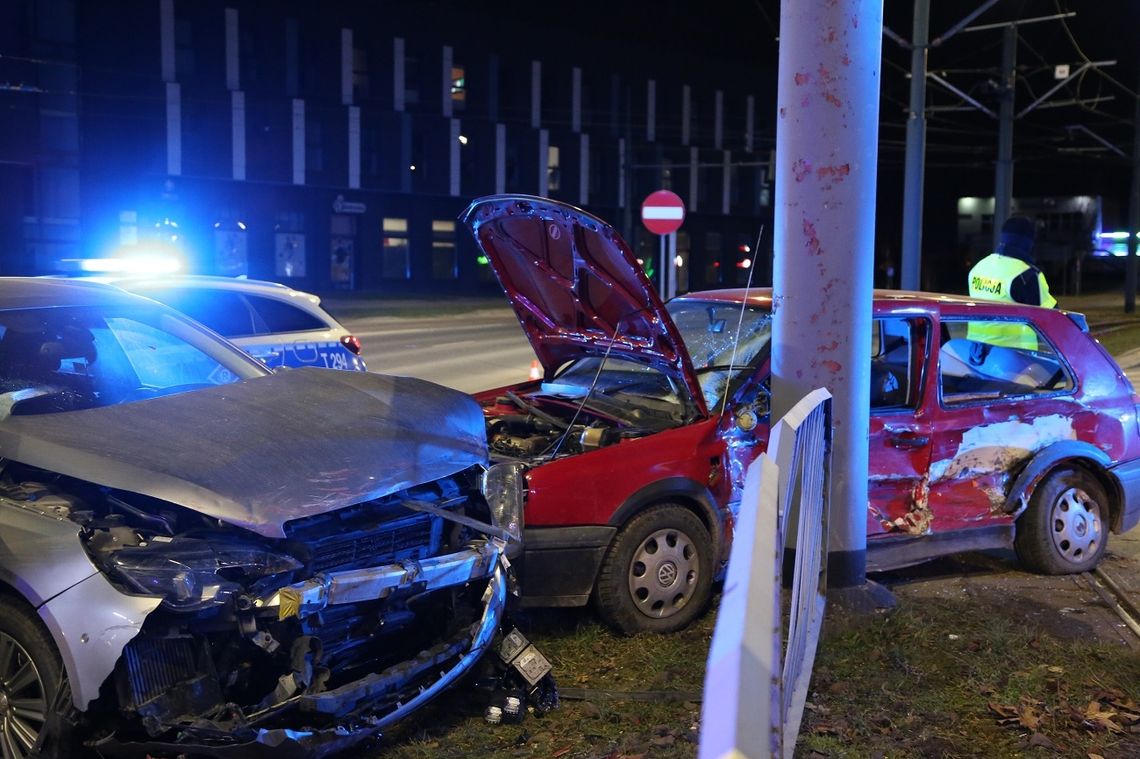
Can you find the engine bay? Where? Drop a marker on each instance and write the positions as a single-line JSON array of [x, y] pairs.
[[560, 420]]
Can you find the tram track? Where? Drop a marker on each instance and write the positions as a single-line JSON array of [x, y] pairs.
[[1117, 599]]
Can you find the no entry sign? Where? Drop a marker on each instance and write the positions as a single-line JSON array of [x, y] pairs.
[[662, 212]]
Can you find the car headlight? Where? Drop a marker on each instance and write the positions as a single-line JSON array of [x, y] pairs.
[[504, 488], [192, 573]]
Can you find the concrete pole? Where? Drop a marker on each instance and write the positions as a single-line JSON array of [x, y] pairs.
[[827, 133], [1133, 213], [915, 150], [1003, 174]]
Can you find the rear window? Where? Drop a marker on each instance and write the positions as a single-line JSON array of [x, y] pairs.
[[223, 311], [989, 359], [283, 317]]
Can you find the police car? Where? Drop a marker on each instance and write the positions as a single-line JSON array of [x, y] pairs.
[[274, 323]]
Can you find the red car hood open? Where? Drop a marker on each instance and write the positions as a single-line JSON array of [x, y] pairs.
[[576, 286]]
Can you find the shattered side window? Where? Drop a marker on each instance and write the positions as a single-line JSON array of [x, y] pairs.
[[990, 359], [893, 374]]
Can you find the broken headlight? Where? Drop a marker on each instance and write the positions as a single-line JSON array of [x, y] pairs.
[[504, 488], [191, 573]]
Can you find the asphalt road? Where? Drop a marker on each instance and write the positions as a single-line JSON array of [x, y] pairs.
[[473, 351]]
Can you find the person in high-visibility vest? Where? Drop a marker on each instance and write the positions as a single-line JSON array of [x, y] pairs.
[[1010, 275]]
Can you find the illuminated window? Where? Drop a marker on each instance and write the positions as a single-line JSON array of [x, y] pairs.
[[458, 87], [444, 264], [396, 262], [553, 169]]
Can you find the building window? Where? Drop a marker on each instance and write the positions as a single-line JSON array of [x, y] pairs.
[[553, 169], [714, 247], [411, 80], [443, 261], [314, 146], [290, 252], [185, 58], [359, 73], [458, 87], [396, 261]]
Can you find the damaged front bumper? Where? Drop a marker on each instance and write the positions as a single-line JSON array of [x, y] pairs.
[[318, 722]]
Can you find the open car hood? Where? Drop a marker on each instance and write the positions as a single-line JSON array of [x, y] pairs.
[[264, 451], [576, 286]]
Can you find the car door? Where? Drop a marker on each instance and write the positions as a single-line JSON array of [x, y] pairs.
[[293, 337], [998, 405], [900, 428]]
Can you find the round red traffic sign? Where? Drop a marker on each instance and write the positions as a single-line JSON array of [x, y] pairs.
[[662, 212]]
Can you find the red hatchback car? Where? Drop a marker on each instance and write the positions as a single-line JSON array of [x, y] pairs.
[[992, 425]]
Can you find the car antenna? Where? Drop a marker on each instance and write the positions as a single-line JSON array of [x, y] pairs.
[[739, 323]]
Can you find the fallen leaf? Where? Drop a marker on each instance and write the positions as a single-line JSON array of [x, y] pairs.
[[1028, 717], [1041, 741], [562, 751], [1095, 756], [1097, 716], [1001, 710]]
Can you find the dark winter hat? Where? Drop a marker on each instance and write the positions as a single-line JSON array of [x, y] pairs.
[[1017, 236]]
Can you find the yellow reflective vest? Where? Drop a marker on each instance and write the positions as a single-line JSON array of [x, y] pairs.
[[992, 279]]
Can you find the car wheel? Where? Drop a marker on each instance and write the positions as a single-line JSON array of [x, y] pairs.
[[657, 574], [1065, 529], [30, 676]]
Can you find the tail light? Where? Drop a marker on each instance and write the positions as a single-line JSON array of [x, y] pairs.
[[352, 342]]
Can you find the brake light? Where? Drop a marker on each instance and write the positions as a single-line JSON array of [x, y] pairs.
[[352, 342]]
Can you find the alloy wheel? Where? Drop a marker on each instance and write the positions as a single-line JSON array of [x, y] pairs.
[[23, 700]]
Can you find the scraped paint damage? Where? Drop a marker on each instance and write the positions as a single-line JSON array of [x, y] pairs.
[[994, 449]]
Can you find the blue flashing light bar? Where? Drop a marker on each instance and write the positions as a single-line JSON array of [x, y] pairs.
[[138, 265]]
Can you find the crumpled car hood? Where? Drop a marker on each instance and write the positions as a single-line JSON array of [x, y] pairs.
[[261, 452]]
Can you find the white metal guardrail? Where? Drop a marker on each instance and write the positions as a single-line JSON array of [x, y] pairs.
[[755, 684]]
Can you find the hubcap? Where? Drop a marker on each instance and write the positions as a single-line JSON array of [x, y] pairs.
[[23, 700], [1076, 525], [664, 573]]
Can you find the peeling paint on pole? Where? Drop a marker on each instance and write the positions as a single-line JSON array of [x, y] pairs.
[[826, 154]]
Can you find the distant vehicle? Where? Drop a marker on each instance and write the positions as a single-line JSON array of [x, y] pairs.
[[274, 323], [992, 424]]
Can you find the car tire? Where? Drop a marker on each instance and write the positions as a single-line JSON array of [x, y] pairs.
[[31, 677], [1065, 528], [657, 574]]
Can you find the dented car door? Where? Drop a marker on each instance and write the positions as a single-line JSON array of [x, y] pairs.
[[900, 427], [1001, 403]]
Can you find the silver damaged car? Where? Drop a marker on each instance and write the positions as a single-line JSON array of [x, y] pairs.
[[199, 556]]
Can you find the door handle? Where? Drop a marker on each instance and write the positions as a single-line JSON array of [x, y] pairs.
[[909, 440]]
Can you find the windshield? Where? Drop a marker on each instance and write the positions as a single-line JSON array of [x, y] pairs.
[[70, 358], [710, 329]]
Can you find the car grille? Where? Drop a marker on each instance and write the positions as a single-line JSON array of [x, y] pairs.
[[364, 535], [408, 539]]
